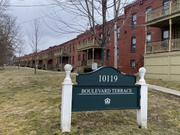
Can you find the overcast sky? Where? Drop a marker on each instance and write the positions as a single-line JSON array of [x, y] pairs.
[[27, 10]]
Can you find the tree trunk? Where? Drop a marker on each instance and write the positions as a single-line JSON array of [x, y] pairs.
[[103, 54], [35, 63], [104, 8]]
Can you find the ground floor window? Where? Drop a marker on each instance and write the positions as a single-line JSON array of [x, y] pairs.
[[73, 60], [133, 63], [108, 54]]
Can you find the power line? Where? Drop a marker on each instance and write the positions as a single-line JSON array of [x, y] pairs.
[[40, 17], [45, 5]]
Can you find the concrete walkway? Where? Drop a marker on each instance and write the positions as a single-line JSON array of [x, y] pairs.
[[163, 89]]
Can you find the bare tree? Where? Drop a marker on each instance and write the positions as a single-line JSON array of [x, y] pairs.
[[20, 49], [34, 34], [9, 36], [95, 12]]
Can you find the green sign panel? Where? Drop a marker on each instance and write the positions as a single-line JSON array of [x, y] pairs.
[[105, 97], [105, 89], [106, 75]]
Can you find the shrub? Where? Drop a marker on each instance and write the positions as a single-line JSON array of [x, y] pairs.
[[87, 69]]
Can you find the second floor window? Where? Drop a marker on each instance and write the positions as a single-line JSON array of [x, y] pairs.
[[89, 38], [133, 44], [79, 42], [84, 40], [148, 9], [79, 57], [108, 34], [134, 20], [148, 38], [166, 7], [73, 47]]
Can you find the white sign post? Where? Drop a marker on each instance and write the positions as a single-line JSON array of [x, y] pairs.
[[66, 100], [142, 113]]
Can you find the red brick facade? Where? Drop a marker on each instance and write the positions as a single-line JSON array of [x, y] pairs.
[[126, 34]]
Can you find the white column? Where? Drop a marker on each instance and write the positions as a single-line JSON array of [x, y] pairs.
[[66, 100], [142, 112]]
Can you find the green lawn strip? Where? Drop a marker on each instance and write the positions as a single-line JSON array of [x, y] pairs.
[[34, 108]]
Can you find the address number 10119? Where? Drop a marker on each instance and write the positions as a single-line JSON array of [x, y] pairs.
[[108, 78]]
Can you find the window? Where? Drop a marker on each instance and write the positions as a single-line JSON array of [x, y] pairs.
[[148, 38], [118, 29], [73, 60], [165, 35], [84, 40], [134, 20], [166, 7], [55, 50], [79, 57], [108, 34], [117, 54], [58, 50], [64, 48], [73, 47], [133, 44], [148, 9], [132, 63], [83, 57], [70, 60], [100, 55], [79, 42], [101, 35], [70, 47], [89, 38], [108, 54]]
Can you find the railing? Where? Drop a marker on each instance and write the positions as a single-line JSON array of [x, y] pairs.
[[88, 44], [163, 11], [157, 47], [40, 66], [47, 57], [31, 58], [39, 58], [175, 44], [163, 46], [99, 62], [61, 53], [175, 7]]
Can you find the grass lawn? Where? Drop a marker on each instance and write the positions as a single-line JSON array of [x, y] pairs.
[[30, 105]]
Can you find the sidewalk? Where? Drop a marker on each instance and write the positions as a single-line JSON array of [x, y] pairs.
[[163, 89]]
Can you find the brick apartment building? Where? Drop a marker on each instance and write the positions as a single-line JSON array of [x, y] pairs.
[[148, 35]]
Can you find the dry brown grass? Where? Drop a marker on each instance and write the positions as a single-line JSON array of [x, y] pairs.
[[30, 105]]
